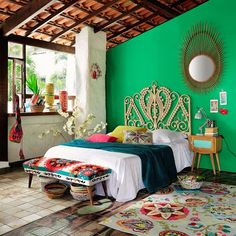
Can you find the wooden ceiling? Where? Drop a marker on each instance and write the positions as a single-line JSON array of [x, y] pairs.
[[58, 21]]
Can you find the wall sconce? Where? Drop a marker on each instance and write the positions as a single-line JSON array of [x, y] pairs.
[[201, 114]]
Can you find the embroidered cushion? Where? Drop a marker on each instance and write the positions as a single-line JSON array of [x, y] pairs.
[[101, 138], [67, 170], [118, 132], [137, 137]]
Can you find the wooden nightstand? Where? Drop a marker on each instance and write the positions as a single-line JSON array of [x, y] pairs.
[[205, 145]]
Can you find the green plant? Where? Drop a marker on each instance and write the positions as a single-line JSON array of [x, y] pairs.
[[32, 84]]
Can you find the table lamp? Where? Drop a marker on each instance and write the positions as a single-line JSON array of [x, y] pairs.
[[201, 114]]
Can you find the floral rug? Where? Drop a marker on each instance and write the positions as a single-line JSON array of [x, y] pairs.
[[210, 211]]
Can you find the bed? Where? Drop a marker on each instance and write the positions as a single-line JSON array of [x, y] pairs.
[[154, 108]]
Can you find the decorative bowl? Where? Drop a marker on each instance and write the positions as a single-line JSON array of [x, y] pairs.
[[190, 181], [55, 190]]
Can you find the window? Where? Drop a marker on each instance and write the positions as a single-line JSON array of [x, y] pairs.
[[47, 66], [15, 74]]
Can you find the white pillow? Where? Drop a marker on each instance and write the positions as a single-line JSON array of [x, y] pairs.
[[167, 136]]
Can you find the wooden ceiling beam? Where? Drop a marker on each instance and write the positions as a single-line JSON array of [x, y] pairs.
[[131, 27], [53, 15], [40, 43], [24, 14], [7, 12], [154, 3], [20, 3], [104, 7], [151, 9], [176, 4], [102, 27]]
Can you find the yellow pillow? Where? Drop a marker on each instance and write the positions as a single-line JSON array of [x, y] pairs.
[[118, 132]]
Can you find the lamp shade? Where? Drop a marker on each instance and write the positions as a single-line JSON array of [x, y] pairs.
[[198, 115]]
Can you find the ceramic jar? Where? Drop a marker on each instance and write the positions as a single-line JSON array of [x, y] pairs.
[[63, 98]]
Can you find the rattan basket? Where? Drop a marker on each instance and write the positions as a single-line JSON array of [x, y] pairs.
[[55, 190]]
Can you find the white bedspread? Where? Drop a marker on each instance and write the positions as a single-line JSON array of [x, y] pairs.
[[126, 178]]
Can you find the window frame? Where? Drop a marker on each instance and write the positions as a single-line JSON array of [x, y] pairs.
[[36, 43]]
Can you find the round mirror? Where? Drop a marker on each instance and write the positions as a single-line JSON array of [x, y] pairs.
[[201, 68], [202, 59]]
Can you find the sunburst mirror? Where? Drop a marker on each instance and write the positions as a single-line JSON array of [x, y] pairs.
[[202, 57]]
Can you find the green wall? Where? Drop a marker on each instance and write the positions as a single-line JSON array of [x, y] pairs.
[[155, 56]]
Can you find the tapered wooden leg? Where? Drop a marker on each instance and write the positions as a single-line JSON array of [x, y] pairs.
[[218, 161], [90, 193], [194, 157], [104, 188], [30, 180], [199, 159], [212, 163]]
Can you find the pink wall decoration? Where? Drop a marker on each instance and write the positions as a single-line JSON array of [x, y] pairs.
[[95, 71]]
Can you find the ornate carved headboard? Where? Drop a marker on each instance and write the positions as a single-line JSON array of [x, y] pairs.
[[157, 107]]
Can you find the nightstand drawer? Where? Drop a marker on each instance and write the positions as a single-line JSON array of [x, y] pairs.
[[202, 143]]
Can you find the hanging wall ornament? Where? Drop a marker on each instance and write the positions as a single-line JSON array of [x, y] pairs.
[[95, 71], [16, 132]]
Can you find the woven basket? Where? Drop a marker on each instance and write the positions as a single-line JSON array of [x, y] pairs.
[[37, 108], [81, 196], [55, 190], [79, 192], [46, 180]]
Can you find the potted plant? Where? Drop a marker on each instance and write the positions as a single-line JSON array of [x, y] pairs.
[[37, 101]]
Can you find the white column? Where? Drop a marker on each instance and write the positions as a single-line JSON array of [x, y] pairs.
[[90, 52]]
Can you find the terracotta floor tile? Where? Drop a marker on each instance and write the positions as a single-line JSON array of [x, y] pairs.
[[17, 223], [12, 210], [43, 231], [44, 212], [5, 229], [35, 209], [28, 199], [22, 214], [17, 202], [8, 219], [56, 208], [31, 218], [25, 206]]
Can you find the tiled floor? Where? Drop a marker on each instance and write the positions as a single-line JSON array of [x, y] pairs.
[[20, 205], [30, 212]]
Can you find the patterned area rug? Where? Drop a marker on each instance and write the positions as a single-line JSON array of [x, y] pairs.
[[210, 211]]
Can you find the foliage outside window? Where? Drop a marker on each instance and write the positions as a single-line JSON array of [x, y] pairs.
[[43, 64]]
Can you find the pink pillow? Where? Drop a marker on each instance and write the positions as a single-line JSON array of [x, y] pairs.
[[101, 138]]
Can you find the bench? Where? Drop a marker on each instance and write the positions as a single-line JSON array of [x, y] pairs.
[[68, 170]]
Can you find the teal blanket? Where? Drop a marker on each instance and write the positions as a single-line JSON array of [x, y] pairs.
[[158, 165]]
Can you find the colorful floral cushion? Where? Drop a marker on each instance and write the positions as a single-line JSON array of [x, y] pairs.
[[68, 170], [118, 132], [137, 137], [101, 138]]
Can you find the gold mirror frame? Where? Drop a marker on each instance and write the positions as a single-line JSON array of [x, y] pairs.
[[202, 40]]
